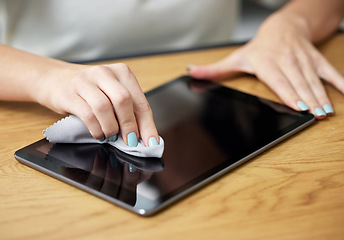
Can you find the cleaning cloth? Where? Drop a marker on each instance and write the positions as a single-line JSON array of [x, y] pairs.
[[72, 130]]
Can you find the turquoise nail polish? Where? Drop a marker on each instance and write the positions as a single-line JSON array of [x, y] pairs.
[[189, 67], [302, 106], [132, 139], [113, 138], [153, 142], [102, 139], [319, 112], [328, 109], [132, 169]]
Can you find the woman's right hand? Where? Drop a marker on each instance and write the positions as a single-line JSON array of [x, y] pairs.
[[107, 98]]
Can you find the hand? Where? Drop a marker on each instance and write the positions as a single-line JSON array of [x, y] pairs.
[[283, 57], [107, 98]]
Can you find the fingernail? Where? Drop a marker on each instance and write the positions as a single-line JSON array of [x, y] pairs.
[[132, 169], [113, 138], [328, 109], [102, 139], [189, 67], [302, 106], [153, 142], [319, 112], [132, 139]]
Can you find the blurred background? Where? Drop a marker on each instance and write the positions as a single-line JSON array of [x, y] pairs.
[[253, 14]]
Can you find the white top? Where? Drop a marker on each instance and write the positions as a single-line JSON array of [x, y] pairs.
[[79, 30]]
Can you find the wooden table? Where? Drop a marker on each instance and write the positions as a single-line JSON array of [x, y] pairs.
[[293, 191]]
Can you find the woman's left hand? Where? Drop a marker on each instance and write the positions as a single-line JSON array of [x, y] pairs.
[[282, 56]]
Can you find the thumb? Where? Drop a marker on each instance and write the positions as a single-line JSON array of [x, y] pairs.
[[232, 65]]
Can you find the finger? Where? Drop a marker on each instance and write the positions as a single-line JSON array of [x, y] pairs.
[[303, 85], [317, 87], [122, 102], [271, 74], [99, 103], [232, 65], [327, 72], [300, 69], [142, 110], [81, 109]]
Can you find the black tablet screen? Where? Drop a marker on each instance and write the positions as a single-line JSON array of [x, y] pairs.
[[208, 129]]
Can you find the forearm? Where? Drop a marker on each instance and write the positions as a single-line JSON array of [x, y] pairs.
[[23, 76], [92, 93], [317, 18]]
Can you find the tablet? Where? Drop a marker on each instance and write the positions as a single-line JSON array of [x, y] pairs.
[[208, 130]]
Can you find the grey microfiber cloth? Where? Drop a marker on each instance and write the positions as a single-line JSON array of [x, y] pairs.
[[72, 130]]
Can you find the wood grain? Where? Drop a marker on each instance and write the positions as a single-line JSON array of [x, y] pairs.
[[293, 191]]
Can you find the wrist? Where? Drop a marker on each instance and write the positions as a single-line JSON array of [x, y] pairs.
[[53, 82], [283, 22], [315, 20]]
